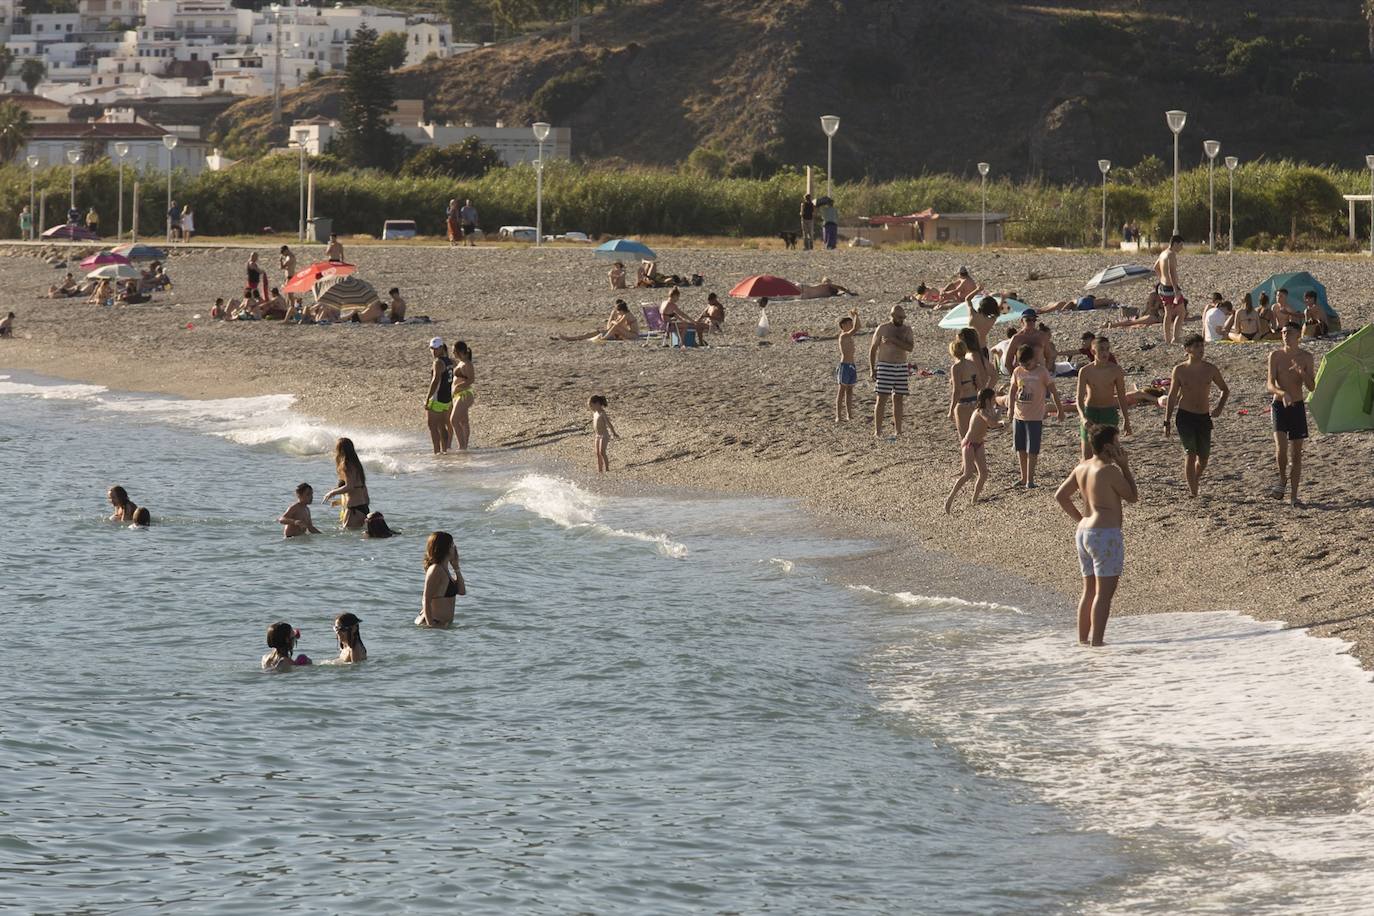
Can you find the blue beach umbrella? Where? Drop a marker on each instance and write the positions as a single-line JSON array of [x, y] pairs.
[[618, 247], [140, 252], [957, 317]]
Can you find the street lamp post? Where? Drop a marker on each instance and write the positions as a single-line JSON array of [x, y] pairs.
[[33, 214], [983, 169], [301, 136], [1369, 161], [276, 71], [1211, 148], [1176, 120], [541, 133], [1104, 166], [1231, 163], [169, 141], [74, 157], [830, 124], [121, 150]]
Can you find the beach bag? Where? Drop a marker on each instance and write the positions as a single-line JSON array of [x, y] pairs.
[[764, 329]]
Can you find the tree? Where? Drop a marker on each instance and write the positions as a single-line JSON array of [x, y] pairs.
[[15, 128], [6, 60], [469, 159], [33, 71], [1148, 171], [1306, 195], [392, 48], [708, 161], [365, 133]]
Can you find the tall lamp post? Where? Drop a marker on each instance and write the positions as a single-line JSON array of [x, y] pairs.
[[830, 124], [1211, 148], [1176, 120], [301, 136], [1231, 163], [541, 133], [276, 70], [169, 141], [1104, 166], [73, 156], [121, 150], [1369, 161], [33, 214], [983, 169]]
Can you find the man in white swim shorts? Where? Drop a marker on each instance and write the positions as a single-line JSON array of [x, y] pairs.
[[1106, 481], [887, 366]]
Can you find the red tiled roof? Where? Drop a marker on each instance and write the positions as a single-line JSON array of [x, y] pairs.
[[28, 100]]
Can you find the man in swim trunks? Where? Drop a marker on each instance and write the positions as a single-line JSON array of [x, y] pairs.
[[1101, 395], [887, 366], [1170, 294], [1290, 371], [1106, 481], [1191, 391]]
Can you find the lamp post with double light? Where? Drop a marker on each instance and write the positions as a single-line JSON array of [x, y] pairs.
[[541, 133], [121, 150], [74, 157], [169, 141], [1176, 120], [983, 169], [33, 214], [1231, 163], [1211, 148], [1104, 166], [830, 124]]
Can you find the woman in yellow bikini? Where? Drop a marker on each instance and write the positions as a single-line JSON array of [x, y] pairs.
[[464, 375]]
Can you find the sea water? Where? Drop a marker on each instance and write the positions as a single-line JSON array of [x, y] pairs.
[[647, 705]]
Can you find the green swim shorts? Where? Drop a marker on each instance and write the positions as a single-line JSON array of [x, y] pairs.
[[1102, 416]]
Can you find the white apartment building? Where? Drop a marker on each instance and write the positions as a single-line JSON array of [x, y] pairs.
[[50, 143]]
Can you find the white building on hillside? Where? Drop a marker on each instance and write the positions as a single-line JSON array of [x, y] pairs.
[[515, 144]]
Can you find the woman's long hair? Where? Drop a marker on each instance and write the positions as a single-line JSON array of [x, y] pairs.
[[437, 548], [346, 625], [346, 459], [279, 637], [464, 352]]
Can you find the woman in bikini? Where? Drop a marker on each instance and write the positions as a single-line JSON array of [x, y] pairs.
[[963, 386], [124, 507], [464, 375], [443, 581], [1244, 323], [439, 398], [973, 449], [352, 486]]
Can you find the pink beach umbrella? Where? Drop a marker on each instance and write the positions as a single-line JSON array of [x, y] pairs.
[[103, 258]]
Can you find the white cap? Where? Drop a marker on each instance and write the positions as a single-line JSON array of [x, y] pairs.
[[436, 343]]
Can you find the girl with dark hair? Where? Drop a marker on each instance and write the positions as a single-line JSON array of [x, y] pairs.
[[349, 634], [376, 527], [352, 488], [124, 507], [443, 581], [142, 517], [978, 352], [281, 639], [464, 375]]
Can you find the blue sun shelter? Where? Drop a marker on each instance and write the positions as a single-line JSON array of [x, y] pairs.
[[1297, 285], [957, 317]]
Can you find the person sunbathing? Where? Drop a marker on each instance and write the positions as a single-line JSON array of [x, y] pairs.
[[824, 290], [65, 290], [646, 276], [958, 289], [674, 318], [276, 307], [1081, 304], [373, 314], [323, 311], [1154, 314], [621, 325], [250, 309]]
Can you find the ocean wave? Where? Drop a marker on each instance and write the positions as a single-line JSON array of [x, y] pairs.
[[567, 505], [934, 602], [49, 392]]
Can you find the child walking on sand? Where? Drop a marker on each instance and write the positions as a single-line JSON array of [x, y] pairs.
[[295, 521], [604, 430], [847, 374], [975, 456]]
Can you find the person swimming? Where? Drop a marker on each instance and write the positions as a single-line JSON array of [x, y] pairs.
[[124, 507], [347, 631], [281, 639], [376, 527], [442, 587]]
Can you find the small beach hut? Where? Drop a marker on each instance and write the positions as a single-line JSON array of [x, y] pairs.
[[1297, 284], [1344, 396]]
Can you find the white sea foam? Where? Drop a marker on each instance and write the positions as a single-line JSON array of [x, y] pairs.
[[569, 506], [49, 392], [1238, 754], [785, 565], [934, 602]]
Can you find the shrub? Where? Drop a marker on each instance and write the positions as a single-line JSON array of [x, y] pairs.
[[560, 97], [470, 158]]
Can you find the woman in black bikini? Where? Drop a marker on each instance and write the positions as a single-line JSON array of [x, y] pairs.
[[352, 484], [442, 586], [963, 385], [439, 397]]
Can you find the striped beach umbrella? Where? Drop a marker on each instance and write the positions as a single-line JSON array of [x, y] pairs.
[[348, 292]]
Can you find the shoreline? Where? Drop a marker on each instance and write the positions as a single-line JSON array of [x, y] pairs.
[[686, 429]]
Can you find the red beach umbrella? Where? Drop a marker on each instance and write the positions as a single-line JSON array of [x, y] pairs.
[[103, 258], [304, 281], [765, 285]]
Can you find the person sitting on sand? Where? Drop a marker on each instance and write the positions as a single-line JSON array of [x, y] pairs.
[[1154, 314], [647, 275], [250, 309], [397, 306], [323, 311], [621, 325], [443, 581], [130, 294], [124, 507], [373, 314], [64, 290], [219, 311], [7, 325], [296, 521], [348, 631], [617, 275], [1314, 323], [103, 294], [825, 290], [958, 289], [1285, 312], [1086, 348], [276, 307], [999, 350], [713, 316], [1269, 326], [281, 640], [676, 320], [1245, 323]]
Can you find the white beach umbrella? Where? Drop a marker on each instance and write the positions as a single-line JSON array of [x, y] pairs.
[[1118, 274], [115, 272]]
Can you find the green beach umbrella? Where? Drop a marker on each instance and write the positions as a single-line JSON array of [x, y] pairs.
[[1344, 396]]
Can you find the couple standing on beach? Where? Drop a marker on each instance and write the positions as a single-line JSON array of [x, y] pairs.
[[450, 396]]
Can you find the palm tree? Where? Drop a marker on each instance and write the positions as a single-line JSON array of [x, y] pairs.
[[32, 72], [14, 131]]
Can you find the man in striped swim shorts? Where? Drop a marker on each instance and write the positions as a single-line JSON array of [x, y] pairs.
[[887, 366]]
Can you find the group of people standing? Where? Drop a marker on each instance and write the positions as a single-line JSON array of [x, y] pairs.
[[450, 397], [829, 217], [461, 223]]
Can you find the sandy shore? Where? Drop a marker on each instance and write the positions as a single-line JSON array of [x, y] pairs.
[[739, 417]]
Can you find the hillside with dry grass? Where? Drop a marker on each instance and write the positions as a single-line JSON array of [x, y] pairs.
[[1040, 88]]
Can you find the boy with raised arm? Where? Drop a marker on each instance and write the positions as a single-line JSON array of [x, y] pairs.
[[1290, 371], [296, 521], [1101, 394], [846, 374], [1106, 481], [1191, 391]]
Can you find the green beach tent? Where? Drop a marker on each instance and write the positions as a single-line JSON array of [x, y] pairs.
[[1344, 396], [1297, 284]]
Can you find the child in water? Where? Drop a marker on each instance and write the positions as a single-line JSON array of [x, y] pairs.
[[846, 375], [604, 430], [281, 639], [975, 458], [347, 631], [295, 521]]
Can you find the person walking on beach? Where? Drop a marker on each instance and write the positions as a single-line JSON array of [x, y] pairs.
[[188, 223], [352, 488], [1101, 394], [1291, 370], [972, 448], [443, 581], [468, 214], [846, 374], [296, 521], [887, 366], [1170, 293], [603, 429], [464, 376], [1191, 391], [439, 397], [1030, 384], [808, 223], [830, 222], [26, 224], [1106, 481]]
